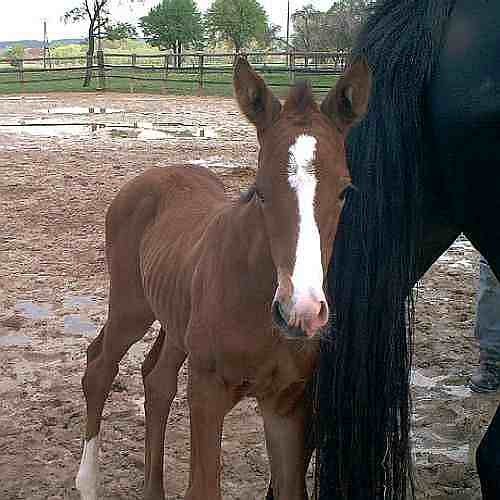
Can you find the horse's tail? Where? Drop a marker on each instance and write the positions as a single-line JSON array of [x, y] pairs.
[[363, 394]]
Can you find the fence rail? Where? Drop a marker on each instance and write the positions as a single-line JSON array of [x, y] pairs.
[[198, 70]]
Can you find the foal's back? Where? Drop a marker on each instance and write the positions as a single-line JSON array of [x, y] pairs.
[[169, 196], [154, 227]]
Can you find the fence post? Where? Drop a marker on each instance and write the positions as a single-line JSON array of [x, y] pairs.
[[133, 64], [102, 75], [292, 65], [201, 60], [165, 72], [21, 73]]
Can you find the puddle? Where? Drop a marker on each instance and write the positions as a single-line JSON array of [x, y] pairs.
[[136, 133], [76, 110], [452, 262], [14, 340], [213, 162], [79, 300], [145, 99], [79, 324], [22, 97], [34, 311], [53, 129], [158, 131], [458, 454], [136, 130], [419, 380], [74, 324], [457, 391]]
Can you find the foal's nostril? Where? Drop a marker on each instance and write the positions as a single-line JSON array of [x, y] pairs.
[[280, 318], [323, 312]]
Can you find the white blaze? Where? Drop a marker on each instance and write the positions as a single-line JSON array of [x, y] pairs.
[[307, 277], [87, 477]]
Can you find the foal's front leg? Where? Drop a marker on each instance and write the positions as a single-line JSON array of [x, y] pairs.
[[285, 439], [209, 402]]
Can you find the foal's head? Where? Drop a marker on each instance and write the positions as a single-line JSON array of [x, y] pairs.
[[301, 183]]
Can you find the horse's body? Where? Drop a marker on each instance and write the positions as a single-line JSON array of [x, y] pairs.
[[216, 274], [426, 160]]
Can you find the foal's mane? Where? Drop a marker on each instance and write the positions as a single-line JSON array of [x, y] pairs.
[[300, 98]]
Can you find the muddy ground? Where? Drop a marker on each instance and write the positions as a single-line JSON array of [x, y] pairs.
[[55, 185]]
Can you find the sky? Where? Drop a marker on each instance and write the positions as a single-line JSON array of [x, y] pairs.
[[23, 19]]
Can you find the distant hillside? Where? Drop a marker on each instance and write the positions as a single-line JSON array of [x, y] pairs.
[[36, 44]]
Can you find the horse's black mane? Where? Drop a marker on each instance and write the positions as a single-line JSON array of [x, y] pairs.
[[363, 393]]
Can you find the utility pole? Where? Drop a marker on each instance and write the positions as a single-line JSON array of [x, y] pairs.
[[288, 57], [46, 49], [288, 26]]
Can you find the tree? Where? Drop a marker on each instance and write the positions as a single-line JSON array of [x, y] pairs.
[[307, 24], [344, 20], [97, 13], [15, 54], [173, 24], [238, 21], [335, 29], [119, 31], [270, 38]]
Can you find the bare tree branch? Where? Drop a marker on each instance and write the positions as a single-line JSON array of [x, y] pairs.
[[87, 8]]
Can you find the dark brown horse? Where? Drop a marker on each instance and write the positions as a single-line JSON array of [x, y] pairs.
[[426, 164], [237, 287]]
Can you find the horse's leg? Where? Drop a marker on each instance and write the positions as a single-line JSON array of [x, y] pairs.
[[129, 318], [437, 236], [488, 452], [159, 371], [209, 402], [147, 366], [488, 460], [286, 447], [103, 357]]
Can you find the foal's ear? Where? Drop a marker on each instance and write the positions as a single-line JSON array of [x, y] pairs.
[[255, 99], [347, 102]]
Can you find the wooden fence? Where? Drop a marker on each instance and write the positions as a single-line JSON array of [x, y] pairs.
[[195, 70]]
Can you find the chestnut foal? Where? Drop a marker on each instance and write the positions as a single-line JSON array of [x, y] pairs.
[[236, 286]]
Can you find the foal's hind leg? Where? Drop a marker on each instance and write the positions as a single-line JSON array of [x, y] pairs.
[[128, 320], [159, 371]]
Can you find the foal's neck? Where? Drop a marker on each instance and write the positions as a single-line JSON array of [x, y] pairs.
[[245, 249]]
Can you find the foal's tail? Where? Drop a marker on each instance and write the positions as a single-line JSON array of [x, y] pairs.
[[363, 394]]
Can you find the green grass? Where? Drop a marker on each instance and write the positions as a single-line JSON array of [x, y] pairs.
[[120, 80]]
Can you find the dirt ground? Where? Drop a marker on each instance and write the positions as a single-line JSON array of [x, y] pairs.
[[55, 185]]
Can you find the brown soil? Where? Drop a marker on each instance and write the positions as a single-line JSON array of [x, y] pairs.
[[54, 191]]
